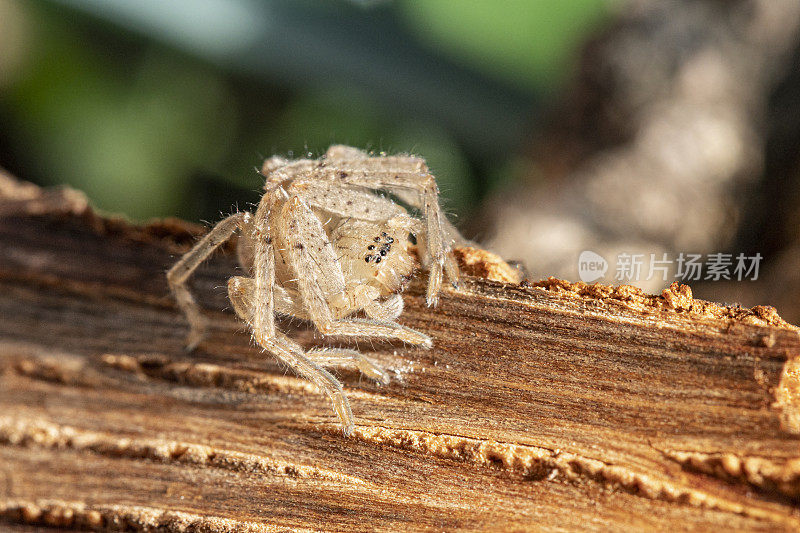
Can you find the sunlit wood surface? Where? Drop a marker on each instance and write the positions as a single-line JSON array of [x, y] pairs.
[[546, 406]]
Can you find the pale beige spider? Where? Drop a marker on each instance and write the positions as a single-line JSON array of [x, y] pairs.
[[322, 246]]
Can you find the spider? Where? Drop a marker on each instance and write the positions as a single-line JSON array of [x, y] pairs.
[[322, 246]]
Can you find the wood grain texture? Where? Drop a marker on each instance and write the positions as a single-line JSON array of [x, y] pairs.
[[543, 405]]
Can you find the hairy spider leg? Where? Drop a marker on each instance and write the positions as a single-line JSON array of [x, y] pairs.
[[263, 320], [341, 357], [310, 255], [288, 351], [246, 245], [180, 272], [240, 290], [346, 202], [451, 232], [261, 307], [288, 302]]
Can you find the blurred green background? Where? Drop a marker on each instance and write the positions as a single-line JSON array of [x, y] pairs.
[[164, 108]]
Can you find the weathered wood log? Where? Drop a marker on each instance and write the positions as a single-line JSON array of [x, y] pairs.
[[545, 405]]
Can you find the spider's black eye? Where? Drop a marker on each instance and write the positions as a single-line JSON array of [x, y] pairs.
[[412, 238], [377, 239], [384, 234], [378, 260], [367, 259], [389, 239], [371, 247], [383, 252]]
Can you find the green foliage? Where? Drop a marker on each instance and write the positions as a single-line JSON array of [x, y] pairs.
[[128, 135], [133, 122], [527, 42]]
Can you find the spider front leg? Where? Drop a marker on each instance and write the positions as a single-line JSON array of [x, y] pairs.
[[180, 272], [451, 235], [438, 249], [348, 358], [241, 293]]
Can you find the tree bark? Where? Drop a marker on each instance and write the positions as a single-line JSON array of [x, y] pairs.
[[546, 405]]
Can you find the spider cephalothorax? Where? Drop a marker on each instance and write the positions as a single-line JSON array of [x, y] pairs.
[[323, 246], [378, 255]]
